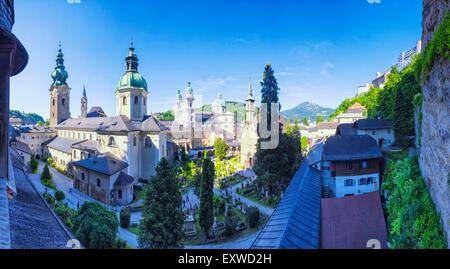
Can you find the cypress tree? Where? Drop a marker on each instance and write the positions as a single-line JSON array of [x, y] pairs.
[[269, 91], [162, 217], [206, 215]]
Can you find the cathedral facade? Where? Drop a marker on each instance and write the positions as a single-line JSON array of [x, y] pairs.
[[195, 129]]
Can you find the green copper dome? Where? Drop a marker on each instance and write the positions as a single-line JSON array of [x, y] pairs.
[[60, 74], [132, 78]]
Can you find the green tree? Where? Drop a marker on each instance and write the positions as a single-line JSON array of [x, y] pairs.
[[34, 164], [95, 226], [305, 121], [40, 123], [253, 216], [162, 216], [269, 91], [184, 155], [288, 127], [304, 143], [59, 196], [319, 119], [46, 175], [296, 129], [220, 148], [206, 215], [125, 218]]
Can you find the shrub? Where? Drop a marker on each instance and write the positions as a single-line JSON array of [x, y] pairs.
[[50, 161], [413, 222], [125, 218], [46, 175], [253, 216], [59, 195], [34, 164], [49, 198], [95, 226], [121, 244]]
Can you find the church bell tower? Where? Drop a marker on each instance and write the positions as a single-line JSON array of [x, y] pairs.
[[59, 92]]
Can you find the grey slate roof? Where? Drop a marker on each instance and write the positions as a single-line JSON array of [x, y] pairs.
[[112, 124], [89, 145], [63, 144], [350, 148], [35, 129], [32, 223], [295, 223], [123, 180], [22, 147], [346, 129], [106, 164], [96, 111], [327, 125], [372, 124]]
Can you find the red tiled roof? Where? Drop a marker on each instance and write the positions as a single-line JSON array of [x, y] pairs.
[[349, 223]]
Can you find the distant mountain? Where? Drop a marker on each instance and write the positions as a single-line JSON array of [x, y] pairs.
[[27, 118], [308, 110], [231, 106]]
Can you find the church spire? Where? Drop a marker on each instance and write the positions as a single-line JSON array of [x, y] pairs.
[[60, 74], [132, 59], [84, 103], [250, 91]]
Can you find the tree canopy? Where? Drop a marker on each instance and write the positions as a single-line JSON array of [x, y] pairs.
[[206, 214], [162, 216], [95, 226]]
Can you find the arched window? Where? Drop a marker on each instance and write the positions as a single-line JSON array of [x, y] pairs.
[[145, 102], [63, 102], [99, 183], [136, 100], [53, 102], [148, 142], [83, 177], [134, 141], [124, 100], [120, 193], [111, 141]]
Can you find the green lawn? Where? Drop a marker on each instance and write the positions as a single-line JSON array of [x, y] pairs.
[[134, 229]]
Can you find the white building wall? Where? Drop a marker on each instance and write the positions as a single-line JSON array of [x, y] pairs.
[[387, 135], [341, 190]]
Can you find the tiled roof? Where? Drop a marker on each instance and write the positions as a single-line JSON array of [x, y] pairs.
[[345, 129], [63, 144], [100, 124], [123, 180], [327, 125], [113, 124], [96, 111], [20, 146], [349, 223], [372, 124], [106, 164], [295, 223], [351, 147], [35, 129], [89, 145], [150, 124], [32, 223]]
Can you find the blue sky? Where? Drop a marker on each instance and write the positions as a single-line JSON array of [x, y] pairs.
[[320, 50]]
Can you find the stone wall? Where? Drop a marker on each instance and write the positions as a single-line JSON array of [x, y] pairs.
[[435, 138]]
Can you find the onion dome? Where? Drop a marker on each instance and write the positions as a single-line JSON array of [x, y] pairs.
[[189, 90], [60, 74], [132, 78]]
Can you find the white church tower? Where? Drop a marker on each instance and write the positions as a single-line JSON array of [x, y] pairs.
[[131, 92], [249, 137], [189, 105]]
